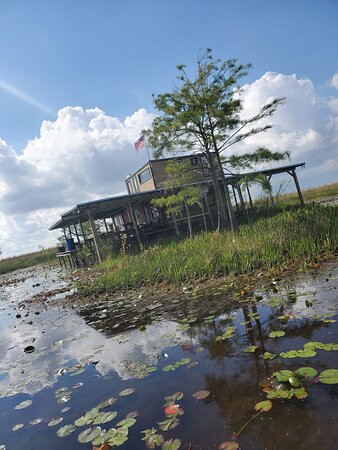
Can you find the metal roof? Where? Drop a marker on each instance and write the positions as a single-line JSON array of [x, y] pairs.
[[110, 206]]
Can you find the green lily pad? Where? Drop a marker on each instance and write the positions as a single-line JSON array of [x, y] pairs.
[[251, 348], [65, 431], [107, 403], [102, 437], [126, 392], [88, 435], [283, 375], [169, 424], [276, 334], [172, 444], [329, 376], [300, 393], [268, 355], [307, 372], [104, 417], [127, 423], [263, 406]]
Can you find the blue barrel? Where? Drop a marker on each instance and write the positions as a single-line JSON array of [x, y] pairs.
[[70, 244]]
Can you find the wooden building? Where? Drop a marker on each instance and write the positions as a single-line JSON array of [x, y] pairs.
[[133, 216]]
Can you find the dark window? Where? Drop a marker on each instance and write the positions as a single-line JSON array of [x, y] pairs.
[[144, 176], [195, 160]]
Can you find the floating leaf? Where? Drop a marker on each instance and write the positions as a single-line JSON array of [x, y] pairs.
[[65, 409], [129, 422], [88, 435], [132, 415], [172, 410], [251, 348], [172, 399], [126, 392], [283, 375], [169, 424], [329, 376], [201, 395], [263, 406], [66, 430], [23, 404], [268, 355], [192, 365], [107, 403], [55, 421], [105, 417], [18, 426], [307, 372], [230, 445], [276, 334], [300, 393], [173, 444], [36, 421], [152, 439]]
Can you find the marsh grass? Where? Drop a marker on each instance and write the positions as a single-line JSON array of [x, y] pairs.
[[321, 192], [296, 235], [30, 259]]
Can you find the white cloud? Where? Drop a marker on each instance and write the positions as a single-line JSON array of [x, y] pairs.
[[86, 154], [334, 80], [333, 105]]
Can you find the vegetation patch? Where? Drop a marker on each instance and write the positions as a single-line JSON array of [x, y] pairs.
[[296, 236]]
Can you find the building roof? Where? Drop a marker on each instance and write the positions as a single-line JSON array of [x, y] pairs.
[[109, 206]]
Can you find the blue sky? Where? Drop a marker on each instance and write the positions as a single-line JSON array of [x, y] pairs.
[[76, 84], [115, 54]]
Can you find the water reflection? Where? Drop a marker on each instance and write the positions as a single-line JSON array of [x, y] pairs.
[[96, 344]]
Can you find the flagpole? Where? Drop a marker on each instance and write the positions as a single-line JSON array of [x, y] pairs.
[[145, 141]]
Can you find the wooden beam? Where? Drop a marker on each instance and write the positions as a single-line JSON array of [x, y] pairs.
[[133, 219], [105, 224], [77, 234], [95, 237], [234, 193], [177, 231], [249, 195], [208, 209], [240, 195], [300, 194]]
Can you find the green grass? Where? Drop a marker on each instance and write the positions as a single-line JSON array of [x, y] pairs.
[[296, 235], [27, 260], [327, 190]]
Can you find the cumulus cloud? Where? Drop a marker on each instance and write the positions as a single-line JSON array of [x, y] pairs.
[[334, 80], [85, 154]]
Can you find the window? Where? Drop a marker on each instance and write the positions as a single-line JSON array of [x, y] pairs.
[[130, 188], [154, 212], [195, 160], [144, 176], [137, 189]]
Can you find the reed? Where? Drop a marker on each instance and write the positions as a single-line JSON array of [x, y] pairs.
[[295, 235], [29, 259]]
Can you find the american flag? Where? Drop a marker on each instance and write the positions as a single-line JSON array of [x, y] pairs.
[[140, 143]]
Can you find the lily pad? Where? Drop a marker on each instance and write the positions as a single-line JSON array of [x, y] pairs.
[[172, 444], [169, 424], [329, 376], [88, 435], [18, 426], [229, 445], [104, 417], [66, 430], [65, 409], [36, 421], [129, 422], [126, 392], [132, 415], [201, 395], [307, 372], [55, 421], [263, 406], [268, 355], [276, 334], [23, 404], [251, 348]]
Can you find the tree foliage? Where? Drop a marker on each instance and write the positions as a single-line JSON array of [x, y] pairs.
[[179, 193], [203, 113]]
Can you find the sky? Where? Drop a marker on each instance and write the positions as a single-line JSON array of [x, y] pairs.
[[76, 85]]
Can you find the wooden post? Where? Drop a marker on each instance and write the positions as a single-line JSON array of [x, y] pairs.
[[249, 195], [77, 234], [208, 209], [133, 219], [64, 233], [175, 225], [188, 218], [203, 213], [105, 224], [95, 237], [241, 199], [300, 194], [233, 191]]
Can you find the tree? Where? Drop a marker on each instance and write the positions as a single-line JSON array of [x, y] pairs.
[[179, 193], [202, 114]]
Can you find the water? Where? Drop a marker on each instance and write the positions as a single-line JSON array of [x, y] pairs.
[[99, 344]]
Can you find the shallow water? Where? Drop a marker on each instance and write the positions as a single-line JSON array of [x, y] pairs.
[[96, 345]]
